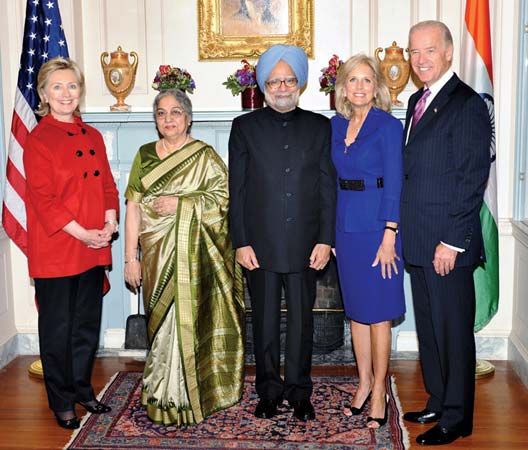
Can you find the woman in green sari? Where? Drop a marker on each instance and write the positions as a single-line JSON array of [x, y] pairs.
[[177, 202]]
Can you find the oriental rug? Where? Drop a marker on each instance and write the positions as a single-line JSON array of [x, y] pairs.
[[127, 425]]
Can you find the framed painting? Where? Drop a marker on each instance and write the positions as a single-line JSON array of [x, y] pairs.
[[236, 29]]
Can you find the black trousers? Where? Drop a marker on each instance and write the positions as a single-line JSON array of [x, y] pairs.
[[265, 290], [69, 323], [444, 309]]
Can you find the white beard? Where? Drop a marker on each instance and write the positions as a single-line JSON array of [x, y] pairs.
[[282, 102]]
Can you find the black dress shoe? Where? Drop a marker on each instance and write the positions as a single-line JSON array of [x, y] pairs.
[[440, 436], [69, 424], [424, 416], [266, 409], [357, 411], [95, 407], [303, 410]]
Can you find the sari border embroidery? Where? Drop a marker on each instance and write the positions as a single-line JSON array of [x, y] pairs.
[[133, 196], [184, 305], [171, 162], [159, 311]]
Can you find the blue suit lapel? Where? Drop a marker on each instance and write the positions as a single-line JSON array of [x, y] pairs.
[[370, 125]]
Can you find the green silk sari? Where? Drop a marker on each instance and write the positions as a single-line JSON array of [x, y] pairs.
[[192, 287]]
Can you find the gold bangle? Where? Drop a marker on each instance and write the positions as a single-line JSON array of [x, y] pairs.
[[112, 222]]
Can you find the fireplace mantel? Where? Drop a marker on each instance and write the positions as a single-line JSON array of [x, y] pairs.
[[198, 116]]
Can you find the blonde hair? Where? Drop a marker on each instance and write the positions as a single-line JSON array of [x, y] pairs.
[[381, 90], [52, 66]]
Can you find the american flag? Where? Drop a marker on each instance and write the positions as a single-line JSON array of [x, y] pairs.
[[43, 39]]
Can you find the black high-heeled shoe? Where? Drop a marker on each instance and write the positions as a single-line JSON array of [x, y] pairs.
[[383, 420], [70, 424], [98, 408], [357, 411]]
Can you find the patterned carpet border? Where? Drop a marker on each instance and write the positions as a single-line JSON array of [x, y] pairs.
[[127, 426]]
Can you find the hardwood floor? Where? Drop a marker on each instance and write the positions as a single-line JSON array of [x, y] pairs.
[[500, 414]]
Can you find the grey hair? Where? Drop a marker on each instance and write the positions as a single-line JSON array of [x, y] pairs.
[[181, 97], [381, 90], [446, 33]]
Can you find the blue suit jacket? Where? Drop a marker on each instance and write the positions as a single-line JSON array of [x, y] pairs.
[[375, 153], [446, 167]]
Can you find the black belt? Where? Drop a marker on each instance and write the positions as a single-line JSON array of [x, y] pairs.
[[357, 185]]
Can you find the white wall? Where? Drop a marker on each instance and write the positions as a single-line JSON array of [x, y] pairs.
[[165, 32]]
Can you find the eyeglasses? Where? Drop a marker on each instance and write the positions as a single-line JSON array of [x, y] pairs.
[[174, 112], [276, 83]]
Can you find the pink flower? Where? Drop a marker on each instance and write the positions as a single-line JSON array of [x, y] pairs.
[[329, 73], [334, 61], [169, 77]]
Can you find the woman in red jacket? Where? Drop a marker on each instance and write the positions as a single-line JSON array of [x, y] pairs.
[[72, 203]]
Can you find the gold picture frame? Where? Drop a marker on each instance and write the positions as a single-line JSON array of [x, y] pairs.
[[236, 29]]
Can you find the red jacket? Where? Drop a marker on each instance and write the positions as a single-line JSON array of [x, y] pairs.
[[68, 178]]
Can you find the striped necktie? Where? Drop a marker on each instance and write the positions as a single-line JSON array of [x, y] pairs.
[[420, 108]]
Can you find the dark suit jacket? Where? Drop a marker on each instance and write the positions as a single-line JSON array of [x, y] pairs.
[[446, 165], [281, 186]]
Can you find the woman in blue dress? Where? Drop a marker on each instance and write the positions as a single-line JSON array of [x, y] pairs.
[[367, 154]]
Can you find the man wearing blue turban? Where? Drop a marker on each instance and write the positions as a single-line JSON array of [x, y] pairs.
[[282, 221], [293, 56]]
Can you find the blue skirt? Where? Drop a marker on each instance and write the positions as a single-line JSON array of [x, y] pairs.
[[367, 297]]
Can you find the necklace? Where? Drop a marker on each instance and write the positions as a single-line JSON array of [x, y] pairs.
[[169, 151]]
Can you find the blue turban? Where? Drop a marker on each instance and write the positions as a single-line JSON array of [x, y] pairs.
[[293, 56]]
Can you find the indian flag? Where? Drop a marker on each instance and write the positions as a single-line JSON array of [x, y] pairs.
[[477, 71]]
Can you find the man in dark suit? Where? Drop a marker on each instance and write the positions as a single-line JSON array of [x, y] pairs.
[[282, 218], [446, 166]]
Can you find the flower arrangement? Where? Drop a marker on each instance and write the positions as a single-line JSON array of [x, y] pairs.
[[168, 77], [242, 79], [327, 80]]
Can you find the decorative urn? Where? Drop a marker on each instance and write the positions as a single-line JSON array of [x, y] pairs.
[[396, 70], [119, 76]]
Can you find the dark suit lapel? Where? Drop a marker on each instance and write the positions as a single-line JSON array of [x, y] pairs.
[[434, 108], [412, 104], [410, 108]]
